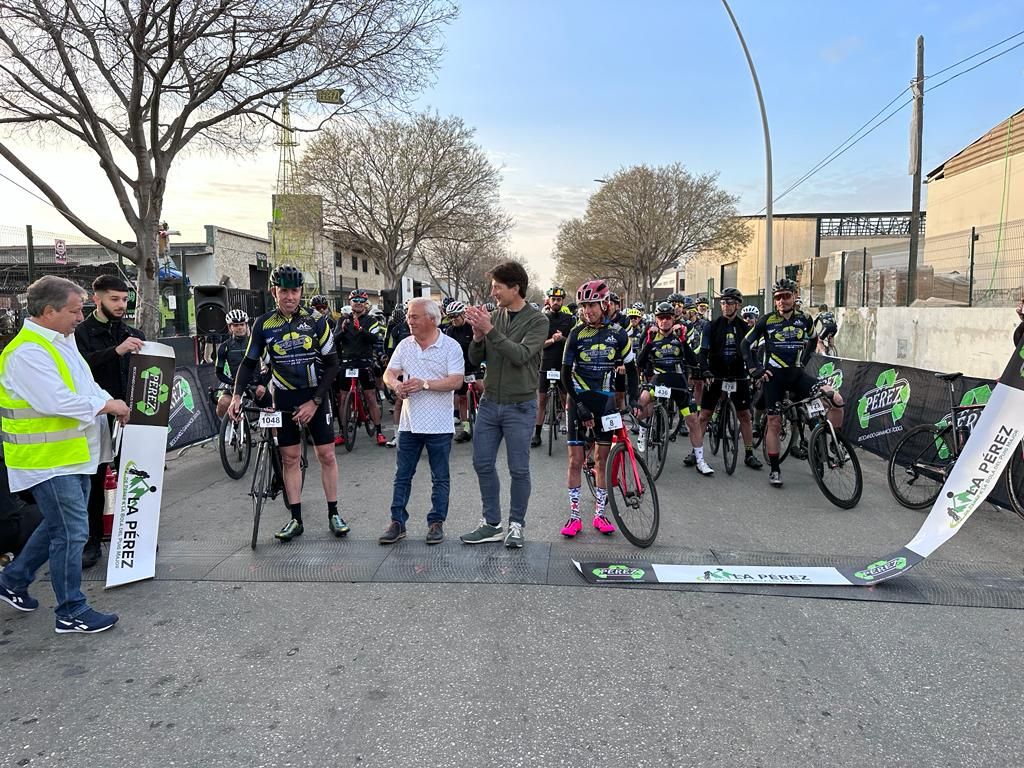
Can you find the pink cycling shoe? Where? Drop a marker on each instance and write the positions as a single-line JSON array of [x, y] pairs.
[[603, 524], [571, 528]]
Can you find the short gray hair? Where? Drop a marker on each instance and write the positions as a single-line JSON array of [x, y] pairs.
[[50, 291], [430, 305]]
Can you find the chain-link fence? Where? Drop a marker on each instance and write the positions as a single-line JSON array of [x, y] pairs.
[[980, 267]]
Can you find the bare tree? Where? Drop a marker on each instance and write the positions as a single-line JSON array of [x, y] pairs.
[[644, 221], [394, 185], [137, 83], [450, 259]]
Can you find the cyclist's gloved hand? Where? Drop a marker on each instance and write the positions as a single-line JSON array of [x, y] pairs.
[[634, 404], [583, 412], [707, 375]]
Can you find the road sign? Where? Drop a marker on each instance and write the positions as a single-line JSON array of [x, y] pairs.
[[329, 95], [60, 251]]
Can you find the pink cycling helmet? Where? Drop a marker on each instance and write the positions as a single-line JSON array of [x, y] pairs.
[[593, 291]]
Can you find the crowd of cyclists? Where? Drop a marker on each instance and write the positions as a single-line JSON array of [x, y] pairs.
[[608, 360]]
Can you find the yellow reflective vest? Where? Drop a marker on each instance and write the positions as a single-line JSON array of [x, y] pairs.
[[34, 440]]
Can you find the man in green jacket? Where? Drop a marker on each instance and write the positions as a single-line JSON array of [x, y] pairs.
[[510, 340]]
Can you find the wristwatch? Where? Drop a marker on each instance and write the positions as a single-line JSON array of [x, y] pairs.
[[317, 401], [426, 385]]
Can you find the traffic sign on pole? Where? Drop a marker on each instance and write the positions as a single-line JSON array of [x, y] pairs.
[[329, 95]]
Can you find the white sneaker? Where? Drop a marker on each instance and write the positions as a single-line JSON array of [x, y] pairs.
[[393, 442], [704, 469]]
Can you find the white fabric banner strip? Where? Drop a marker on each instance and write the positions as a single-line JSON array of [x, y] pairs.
[[989, 449], [133, 538]]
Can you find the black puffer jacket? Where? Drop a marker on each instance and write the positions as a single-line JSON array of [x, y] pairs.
[[97, 341]]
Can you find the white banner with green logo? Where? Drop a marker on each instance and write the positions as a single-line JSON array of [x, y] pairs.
[[993, 440], [133, 538]]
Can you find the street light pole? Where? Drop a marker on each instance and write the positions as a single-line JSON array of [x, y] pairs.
[[768, 162]]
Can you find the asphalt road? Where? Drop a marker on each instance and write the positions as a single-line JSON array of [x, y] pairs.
[[253, 673]]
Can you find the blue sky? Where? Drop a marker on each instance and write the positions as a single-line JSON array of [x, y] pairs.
[[562, 93]]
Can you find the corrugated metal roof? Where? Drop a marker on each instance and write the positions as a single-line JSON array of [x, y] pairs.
[[990, 147]]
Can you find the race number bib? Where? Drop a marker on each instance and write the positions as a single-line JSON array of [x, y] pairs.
[[660, 391], [611, 422], [815, 407], [554, 375], [729, 387], [270, 419], [352, 373], [470, 379]]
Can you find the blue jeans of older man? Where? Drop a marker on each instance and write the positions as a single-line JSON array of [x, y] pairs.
[[60, 538], [410, 448], [513, 423]]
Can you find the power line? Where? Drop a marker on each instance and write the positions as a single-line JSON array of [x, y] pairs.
[[973, 55], [30, 192], [969, 69]]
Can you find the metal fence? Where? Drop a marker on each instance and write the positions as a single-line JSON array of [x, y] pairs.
[[979, 267]]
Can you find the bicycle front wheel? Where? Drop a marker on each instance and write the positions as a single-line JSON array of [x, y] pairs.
[[551, 420], [715, 428], [729, 427], [632, 496], [656, 445], [262, 477], [835, 467], [919, 465], [235, 446], [368, 425], [1015, 480], [349, 420], [787, 436]]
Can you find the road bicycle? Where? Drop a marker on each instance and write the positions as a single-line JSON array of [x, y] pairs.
[[925, 455], [235, 440], [724, 425], [834, 463], [660, 429], [472, 401], [632, 494], [353, 410], [553, 410], [268, 474]]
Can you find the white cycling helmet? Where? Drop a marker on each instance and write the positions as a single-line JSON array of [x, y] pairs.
[[456, 308], [750, 309], [237, 316]]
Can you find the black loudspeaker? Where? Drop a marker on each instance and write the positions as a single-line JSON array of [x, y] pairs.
[[211, 309], [388, 297]]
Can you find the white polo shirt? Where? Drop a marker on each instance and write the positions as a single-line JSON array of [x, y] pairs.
[[425, 411]]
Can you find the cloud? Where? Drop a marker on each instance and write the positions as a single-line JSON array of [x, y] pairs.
[[842, 49], [538, 210]]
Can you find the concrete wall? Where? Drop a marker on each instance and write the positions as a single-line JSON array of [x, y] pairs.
[[976, 341], [233, 254], [974, 198]]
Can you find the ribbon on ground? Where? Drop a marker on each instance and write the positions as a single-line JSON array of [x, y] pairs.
[[985, 455]]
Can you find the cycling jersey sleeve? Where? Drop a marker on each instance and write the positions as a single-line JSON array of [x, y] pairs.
[[568, 357], [221, 365], [752, 336], [257, 342]]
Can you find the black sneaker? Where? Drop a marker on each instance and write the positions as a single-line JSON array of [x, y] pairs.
[[394, 532], [799, 451], [89, 623], [435, 533], [291, 529], [690, 460], [535, 441], [753, 462], [91, 553]]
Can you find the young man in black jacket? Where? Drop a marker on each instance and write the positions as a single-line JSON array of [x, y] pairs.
[[106, 342]]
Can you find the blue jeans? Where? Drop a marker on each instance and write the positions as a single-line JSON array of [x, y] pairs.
[[410, 448], [512, 422], [60, 538]]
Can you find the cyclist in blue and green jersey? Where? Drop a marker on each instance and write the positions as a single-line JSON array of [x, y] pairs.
[[593, 351], [229, 356], [560, 322], [303, 366], [693, 333], [789, 340]]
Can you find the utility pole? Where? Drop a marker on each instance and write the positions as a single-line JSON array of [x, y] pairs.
[[916, 135]]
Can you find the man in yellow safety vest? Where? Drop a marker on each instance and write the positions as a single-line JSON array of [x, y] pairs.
[[54, 437]]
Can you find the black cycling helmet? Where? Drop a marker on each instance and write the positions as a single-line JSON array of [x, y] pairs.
[[398, 313], [614, 298], [287, 276], [318, 301], [732, 294], [556, 293], [784, 284], [675, 298], [664, 308]]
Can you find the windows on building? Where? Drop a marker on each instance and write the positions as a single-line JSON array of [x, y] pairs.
[[727, 279]]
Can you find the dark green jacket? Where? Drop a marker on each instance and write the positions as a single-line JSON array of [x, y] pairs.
[[512, 351]]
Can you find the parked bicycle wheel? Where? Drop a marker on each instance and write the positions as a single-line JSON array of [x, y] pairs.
[[835, 467], [920, 464], [349, 420], [715, 429], [235, 445], [787, 436], [262, 477], [368, 425], [471, 414], [1015, 480], [656, 447], [729, 427], [551, 419], [632, 496], [589, 469]]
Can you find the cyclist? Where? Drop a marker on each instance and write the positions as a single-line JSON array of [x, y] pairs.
[[703, 308], [560, 323], [825, 327], [720, 354], [667, 357], [321, 307], [693, 334], [615, 315], [789, 340], [750, 314], [462, 332], [397, 330], [446, 319], [229, 356], [592, 353], [303, 366], [360, 343]]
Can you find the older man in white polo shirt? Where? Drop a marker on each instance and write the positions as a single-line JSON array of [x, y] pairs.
[[431, 366]]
